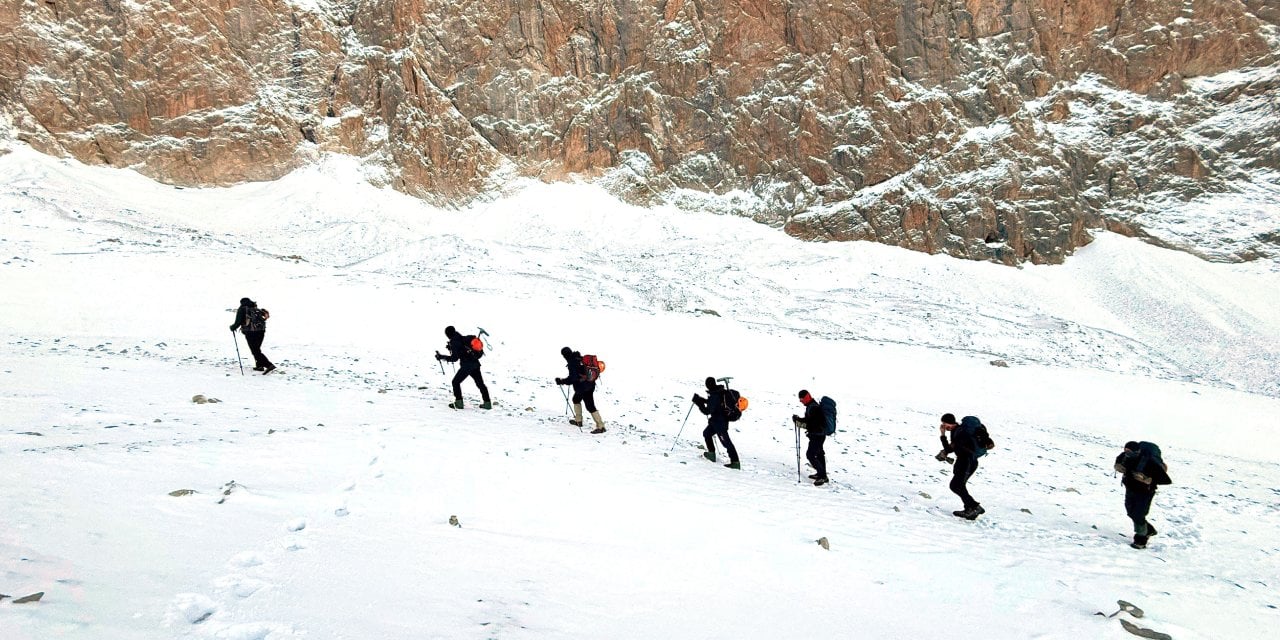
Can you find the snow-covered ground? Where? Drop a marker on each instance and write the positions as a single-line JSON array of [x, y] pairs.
[[347, 465]]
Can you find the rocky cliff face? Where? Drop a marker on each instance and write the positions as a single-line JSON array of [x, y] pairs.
[[990, 129]]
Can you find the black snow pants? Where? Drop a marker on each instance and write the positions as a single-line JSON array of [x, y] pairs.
[[1137, 503], [720, 429], [255, 338], [963, 470], [816, 456], [585, 392], [469, 370]]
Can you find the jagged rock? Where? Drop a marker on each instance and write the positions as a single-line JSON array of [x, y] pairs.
[[182, 492], [824, 543], [200, 399], [1000, 130], [925, 496], [1141, 632], [453, 520], [1000, 363], [35, 597]]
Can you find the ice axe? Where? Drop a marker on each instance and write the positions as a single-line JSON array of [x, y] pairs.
[[488, 344]]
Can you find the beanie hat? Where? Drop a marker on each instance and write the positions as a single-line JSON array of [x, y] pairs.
[[450, 331], [711, 383], [1131, 445], [805, 397], [566, 352], [948, 418], [245, 301]]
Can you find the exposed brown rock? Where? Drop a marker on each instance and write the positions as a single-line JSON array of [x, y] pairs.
[[921, 123]]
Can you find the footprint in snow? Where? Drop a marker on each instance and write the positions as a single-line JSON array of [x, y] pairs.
[[193, 608], [294, 544], [341, 512], [297, 524], [248, 559], [240, 586]]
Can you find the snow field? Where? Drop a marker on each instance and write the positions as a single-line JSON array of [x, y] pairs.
[[347, 465]]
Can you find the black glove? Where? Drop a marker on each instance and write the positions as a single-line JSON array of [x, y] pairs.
[[698, 398], [561, 381], [233, 327], [942, 457], [438, 356]]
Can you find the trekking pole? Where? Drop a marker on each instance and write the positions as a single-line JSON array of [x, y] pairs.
[[799, 472], [686, 421], [238, 358], [564, 393]]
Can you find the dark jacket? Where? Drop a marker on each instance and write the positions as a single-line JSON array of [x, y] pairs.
[[713, 405], [815, 419], [964, 438], [577, 371], [460, 350]]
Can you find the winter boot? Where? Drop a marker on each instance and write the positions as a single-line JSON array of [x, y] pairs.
[[456, 404], [268, 369], [1139, 542], [577, 415], [710, 455], [734, 465], [1151, 531], [595, 415], [486, 405], [815, 476], [818, 482]]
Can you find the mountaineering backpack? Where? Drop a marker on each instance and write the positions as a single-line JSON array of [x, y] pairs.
[[256, 319], [475, 346], [974, 426], [829, 412], [593, 367], [1151, 464], [734, 405]]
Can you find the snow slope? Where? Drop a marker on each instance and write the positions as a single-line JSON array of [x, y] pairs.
[[347, 465]]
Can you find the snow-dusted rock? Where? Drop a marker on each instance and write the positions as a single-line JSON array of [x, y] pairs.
[[997, 130]]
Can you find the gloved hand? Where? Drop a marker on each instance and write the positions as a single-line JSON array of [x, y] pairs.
[[1120, 468], [438, 356], [1141, 477], [561, 381], [233, 327], [942, 457], [698, 398]]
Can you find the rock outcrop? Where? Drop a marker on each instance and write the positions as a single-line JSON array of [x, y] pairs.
[[991, 129]]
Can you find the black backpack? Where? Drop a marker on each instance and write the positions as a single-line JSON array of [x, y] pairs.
[[733, 404], [829, 413], [1151, 464], [973, 425], [256, 319]]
